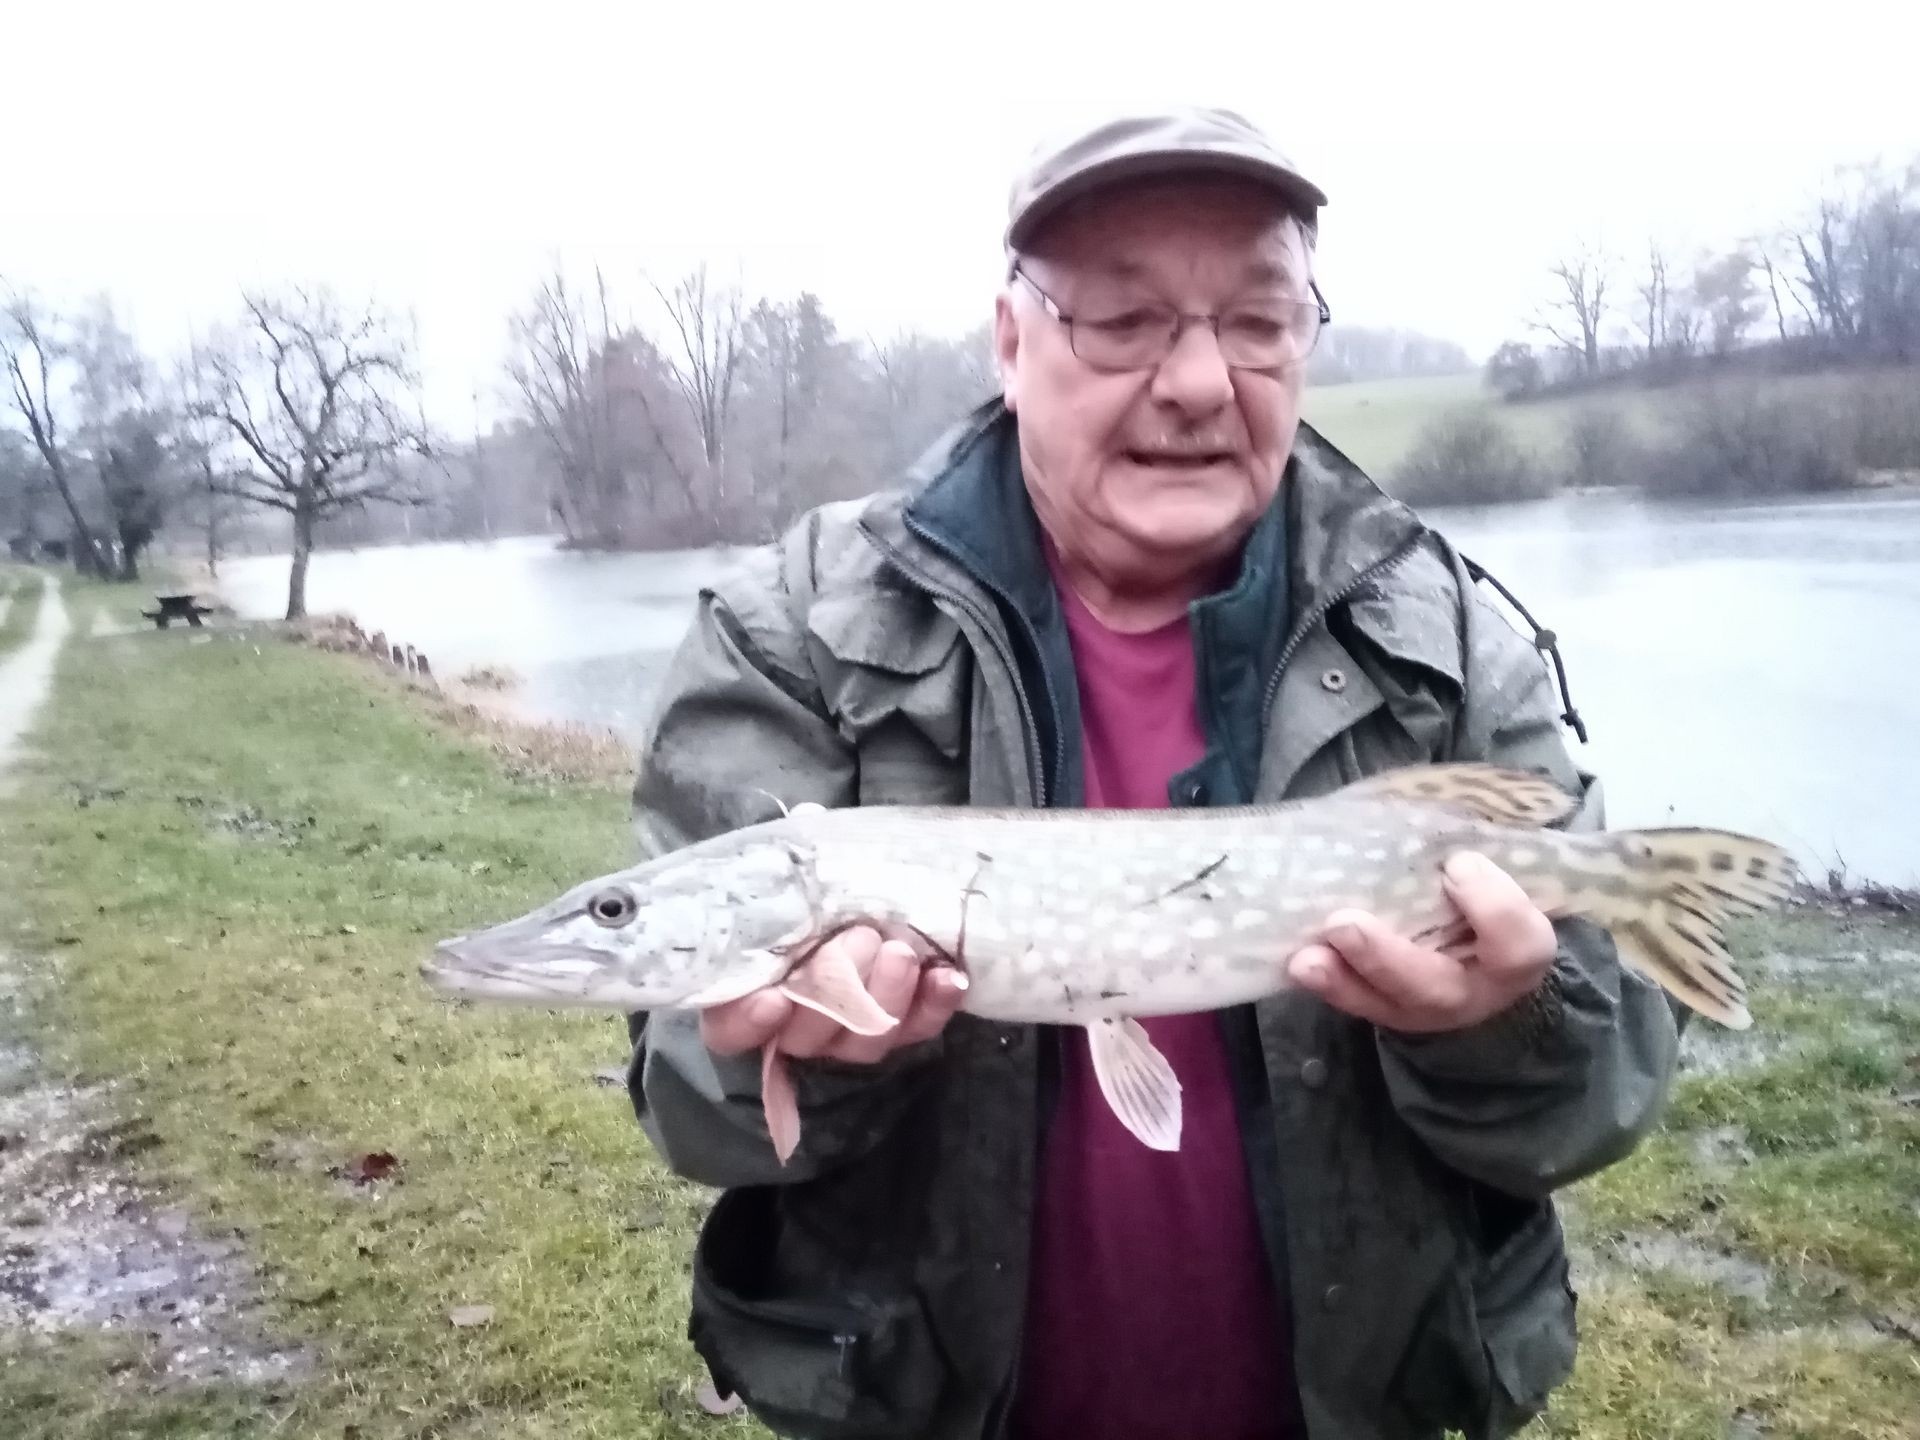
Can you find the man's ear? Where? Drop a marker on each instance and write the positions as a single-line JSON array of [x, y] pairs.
[[1006, 348]]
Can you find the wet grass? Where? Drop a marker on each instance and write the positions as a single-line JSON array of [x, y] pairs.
[[239, 849], [1757, 1262]]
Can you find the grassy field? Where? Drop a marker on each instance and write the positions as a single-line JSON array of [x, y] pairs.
[[1376, 423], [225, 870]]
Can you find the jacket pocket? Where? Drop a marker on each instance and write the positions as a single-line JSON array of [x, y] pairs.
[[1525, 1308], [823, 1361], [895, 677]]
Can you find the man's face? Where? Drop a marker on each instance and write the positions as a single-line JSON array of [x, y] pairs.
[[1148, 474]]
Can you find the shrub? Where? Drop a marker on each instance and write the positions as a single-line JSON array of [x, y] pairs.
[[1886, 422], [1469, 456], [1600, 450], [1741, 439]]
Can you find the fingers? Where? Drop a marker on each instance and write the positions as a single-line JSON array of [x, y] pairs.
[[1510, 933], [937, 1000], [1321, 969], [891, 981], [808, 1033], [1407, 976], [923, 998], [745, 1024]]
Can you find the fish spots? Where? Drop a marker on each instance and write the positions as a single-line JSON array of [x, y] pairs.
[[1522, 857], [1333, 875], [1376, 854], [1722, 861], [1156, 945], [1205, 928], [1249, 919]]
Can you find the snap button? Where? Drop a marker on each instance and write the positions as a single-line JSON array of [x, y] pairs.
[[1313, 1073], [1333, 1296], [1333, 680]]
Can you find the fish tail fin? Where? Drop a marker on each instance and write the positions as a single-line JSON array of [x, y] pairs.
[[1684, 885]]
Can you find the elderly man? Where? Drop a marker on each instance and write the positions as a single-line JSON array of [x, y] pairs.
[[1137, 579]]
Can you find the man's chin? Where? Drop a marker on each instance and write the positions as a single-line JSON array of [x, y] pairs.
[[1196, 523]]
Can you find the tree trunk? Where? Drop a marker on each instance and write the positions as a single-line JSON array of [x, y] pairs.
[[86, 549], [213, 518], [302, 551]]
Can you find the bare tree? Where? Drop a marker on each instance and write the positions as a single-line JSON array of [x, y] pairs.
[[1579, 307], [34, 351], [125, 428], [556, 341], [199, 454], [711, 327], [1824, 266], [594, 390], [319, 404], [1723, 289], [1656, 297]]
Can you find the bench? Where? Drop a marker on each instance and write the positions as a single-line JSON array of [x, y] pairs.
[[177, 607]]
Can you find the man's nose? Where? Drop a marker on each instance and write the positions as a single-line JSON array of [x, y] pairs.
[[1194, 377]]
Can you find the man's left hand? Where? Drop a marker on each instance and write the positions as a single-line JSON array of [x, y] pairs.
[[1362, 967]]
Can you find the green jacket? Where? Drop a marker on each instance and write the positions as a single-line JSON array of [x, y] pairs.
[[909, 648]]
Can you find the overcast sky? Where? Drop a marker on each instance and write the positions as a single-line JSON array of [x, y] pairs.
[[437, 156]]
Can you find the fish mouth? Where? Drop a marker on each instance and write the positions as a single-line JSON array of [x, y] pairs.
[[463, 967]]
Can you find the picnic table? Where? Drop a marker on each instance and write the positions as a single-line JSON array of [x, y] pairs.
[[177, 607]]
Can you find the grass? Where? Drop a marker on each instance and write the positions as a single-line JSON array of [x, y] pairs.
[[1802, 1170], [240, 848], [1377, 423]]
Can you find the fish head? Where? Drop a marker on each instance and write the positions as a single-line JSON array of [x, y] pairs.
[[694, 928]]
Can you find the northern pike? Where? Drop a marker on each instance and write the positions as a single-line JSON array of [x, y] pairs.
[[1100, 917]]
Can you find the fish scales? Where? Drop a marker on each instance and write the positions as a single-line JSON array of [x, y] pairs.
[[1098, 918], [1062, 917]]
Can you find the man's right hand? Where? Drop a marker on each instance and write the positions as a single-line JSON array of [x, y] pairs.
[[922, 997]]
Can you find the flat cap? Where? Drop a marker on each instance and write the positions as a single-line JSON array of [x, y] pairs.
[[1184, 141]]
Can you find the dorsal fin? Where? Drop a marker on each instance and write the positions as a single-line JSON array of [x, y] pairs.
[[1491, 793]]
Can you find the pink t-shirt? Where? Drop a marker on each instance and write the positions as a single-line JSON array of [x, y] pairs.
[[1151, 1309]]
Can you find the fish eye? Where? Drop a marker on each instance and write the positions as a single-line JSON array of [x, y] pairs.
[[611, 907]]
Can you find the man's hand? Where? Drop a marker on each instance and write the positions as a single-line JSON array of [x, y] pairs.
[[922, 997], [1363, 968]]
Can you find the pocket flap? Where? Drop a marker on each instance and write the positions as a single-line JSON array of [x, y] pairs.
[[876, 629]]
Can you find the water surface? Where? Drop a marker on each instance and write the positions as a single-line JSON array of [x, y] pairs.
[[1754, 666]]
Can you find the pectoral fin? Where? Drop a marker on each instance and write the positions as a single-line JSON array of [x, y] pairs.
[[779, 1102], [831, 984], [1137, 1080]]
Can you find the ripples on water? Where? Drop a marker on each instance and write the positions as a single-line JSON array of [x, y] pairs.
[[1755, 666]]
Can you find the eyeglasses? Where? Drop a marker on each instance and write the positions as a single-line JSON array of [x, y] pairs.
[[1268, 334]]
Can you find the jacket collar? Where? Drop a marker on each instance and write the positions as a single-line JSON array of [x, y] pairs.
[[967, 495], [965, 514]]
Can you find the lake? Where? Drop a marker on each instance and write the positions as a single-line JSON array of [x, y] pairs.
[[1755, 665]]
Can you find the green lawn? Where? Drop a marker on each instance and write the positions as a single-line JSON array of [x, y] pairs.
[[1376, 423], [240, 849]]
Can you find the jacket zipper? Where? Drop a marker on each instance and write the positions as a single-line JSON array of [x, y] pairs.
[[1320, 612]]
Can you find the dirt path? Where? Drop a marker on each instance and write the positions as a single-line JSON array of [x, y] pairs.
[[82, 1246], [27, 675]]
